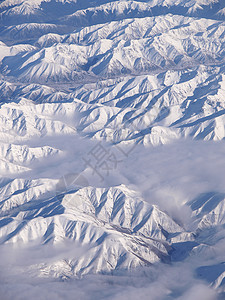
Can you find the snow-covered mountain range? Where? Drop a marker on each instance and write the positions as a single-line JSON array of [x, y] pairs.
[[93, 95]]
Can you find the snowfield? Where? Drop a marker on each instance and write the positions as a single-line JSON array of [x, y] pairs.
[[112, 118]]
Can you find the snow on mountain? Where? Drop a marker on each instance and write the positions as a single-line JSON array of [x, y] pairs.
[[80, 13], [29, 31], [21, 121], [209, 209], [221, 12], [121, 229], [181, 44], [111, 11], [126, 29], [14, 157], [14, 50], [119, 10], [79, 76], [152, 109], [17, 192]]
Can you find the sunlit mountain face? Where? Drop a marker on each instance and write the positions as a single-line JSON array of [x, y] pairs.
[[112, 154]]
